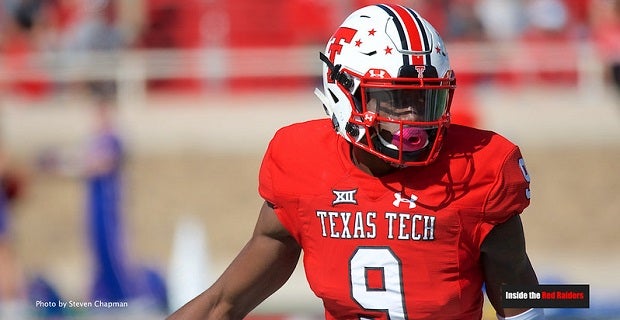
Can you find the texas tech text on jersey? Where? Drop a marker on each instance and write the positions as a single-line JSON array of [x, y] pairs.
[[363, 225]]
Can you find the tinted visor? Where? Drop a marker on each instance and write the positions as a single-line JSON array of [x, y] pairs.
[[423, 105]]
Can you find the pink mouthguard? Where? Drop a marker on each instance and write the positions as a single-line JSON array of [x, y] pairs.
[[414, 139]]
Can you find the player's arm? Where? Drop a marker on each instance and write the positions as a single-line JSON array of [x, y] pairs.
[[262, 267], [505, 261]]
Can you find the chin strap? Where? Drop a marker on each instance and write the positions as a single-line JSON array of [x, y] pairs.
[[354, 131], [336, 74]]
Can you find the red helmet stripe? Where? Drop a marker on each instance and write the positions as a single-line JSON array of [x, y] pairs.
[[413, 37]]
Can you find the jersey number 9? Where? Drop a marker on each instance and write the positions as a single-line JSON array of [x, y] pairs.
[[376, 281]]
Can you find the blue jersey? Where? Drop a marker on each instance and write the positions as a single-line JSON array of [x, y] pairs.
[[105, 222], [3, 211], [115, 278]]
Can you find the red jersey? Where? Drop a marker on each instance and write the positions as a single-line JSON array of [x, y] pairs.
[[402, 246]]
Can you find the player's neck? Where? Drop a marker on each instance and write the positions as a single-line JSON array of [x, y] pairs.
[[369, 163]]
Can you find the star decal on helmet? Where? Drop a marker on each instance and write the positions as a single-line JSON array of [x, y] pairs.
[[388, 50], [438, 50], [358, 43], [371, 32]]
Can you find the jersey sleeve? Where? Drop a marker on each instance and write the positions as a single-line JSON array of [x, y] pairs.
[[510, 193], [270, 181], [265, 176]]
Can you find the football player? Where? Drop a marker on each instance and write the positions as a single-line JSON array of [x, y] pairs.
[[399, 215], [12, 279]]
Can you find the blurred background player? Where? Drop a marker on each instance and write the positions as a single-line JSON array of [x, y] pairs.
[[103, 174], [101, 164], [403, 218], [12, 279]]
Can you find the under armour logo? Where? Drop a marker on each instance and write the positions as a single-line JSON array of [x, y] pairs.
[[347, 196], [370, 118], [399, 199], [378, 73]]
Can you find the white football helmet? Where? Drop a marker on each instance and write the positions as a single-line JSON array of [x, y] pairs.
[[387, 84]]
